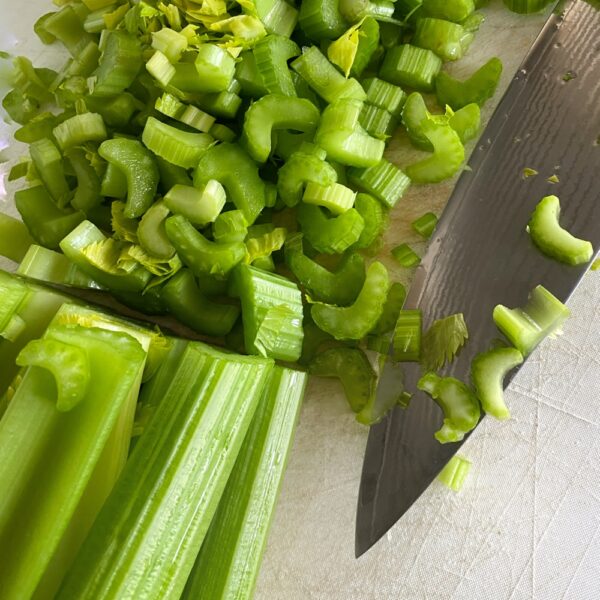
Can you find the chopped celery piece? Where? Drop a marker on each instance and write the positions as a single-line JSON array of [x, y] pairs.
[[67, 28], [385, 95], [340, 287], [335, 197], [87, 127], [352, 368], [355, 321], [553, 240], [197, 119], [13, 294], [120, 62], [168, 493], [116, 111], [273, 112], [171, 175], [169, 105], [466, 121], [249, 77], [140, 170], [385, 181], [185, 301], [49, 166], [375, 217], [160, 68], [444, 338], [458, 403], [181, 148], [230, 226], [321, 19], [407, 336], [229, 561], [38, 127], [15, 239], [88, 248], [151, 233], [526, 327], [330, 235], [355, 10], [215, 67], [526, 7], [378, 122], [198, 206], [488, 370], [368, 46], [455, 472], [271, 312], [411, 66], [455, 10], [46, 223], [262, 246], [324, 78], [201, 255], [87, 193], [391, 311], [231, 166], [425, 225], [271, 56], [342, 52], [448, 40], [222, 133], [477, 89], [342, 136], [59, 467], [406, 256], [171, 43], [114, 182], [448, 155]]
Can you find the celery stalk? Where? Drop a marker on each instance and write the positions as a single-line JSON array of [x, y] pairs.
[[230, 558], [145, 540]]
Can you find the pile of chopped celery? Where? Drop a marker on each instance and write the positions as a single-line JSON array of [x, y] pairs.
[[223, 162], [155, 475]]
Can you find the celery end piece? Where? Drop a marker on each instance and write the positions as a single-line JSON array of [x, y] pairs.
[[454, 474]]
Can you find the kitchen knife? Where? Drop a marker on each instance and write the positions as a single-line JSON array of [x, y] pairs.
[[481, 254]]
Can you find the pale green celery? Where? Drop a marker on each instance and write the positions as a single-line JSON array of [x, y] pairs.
[[13, 294], [147, 536], [58, 467], [455, 472], [229, 561], [14, 238]]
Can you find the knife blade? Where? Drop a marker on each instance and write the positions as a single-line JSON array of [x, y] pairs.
[[481, 254]]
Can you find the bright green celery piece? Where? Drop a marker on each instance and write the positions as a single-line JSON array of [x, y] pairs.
[[271, 56], [94, 21], [406, 256], [198, 206], [46, 223], [215, 67], [49, 166], [13, 293], [410, 66], [277, 16], [222, 133], [478, 88], [147, 536], [321, 19], [201, 255], [458, 403], [47, 265], [455, 10], [526, 7], [248, 76], [151, 231], [261, 246], [554, 241], [58, 467], [385, 95], [197, 119], [222, 104], [488, 371], [368, 42], [181, 148], [66, 27], [87, 193], [189, 305], [120, 62], [159, 66], [526, 327], [466, 121], [455, 472], [229, 561], [230, 226], [375, 217], [171, 175], [114, 182], [273, 112], [391, 311], [447, 158], [330, 235], [324, 78], [230, 165], [170, 42], [271, 312], [40, 29], [38, 127], [116, 111], [15, 239], [342, 136], [378, 122], [85, 63], [86, 127], [95, 254], [337, 198], [139, 168], [355, 321], [425, 225], [447, 39], [407, 336], [299, 170], [352, 368], [340, 287], [385, 181]]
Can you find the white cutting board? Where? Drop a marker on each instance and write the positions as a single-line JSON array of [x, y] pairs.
[[527, 520]]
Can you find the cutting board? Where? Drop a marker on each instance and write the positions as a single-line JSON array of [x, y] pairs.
[[525, 525]]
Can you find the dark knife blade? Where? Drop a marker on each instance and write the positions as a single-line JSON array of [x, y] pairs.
[[481, 254]]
